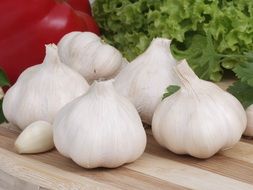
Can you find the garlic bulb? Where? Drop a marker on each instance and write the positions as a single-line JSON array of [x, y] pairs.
[[42, 90], [86, 53], [200, 119], [249, 129], [100, 129], [36, 138], [145, 79]]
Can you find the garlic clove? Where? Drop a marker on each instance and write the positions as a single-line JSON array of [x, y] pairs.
[[100, 129], [249, 129], [42, 90], [36, 138], [86, 53], [200, 119], [146, 78]]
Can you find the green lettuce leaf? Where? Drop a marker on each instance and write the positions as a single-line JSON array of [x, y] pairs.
[[202, 57], [243, 92], [4, 81], [170, 90], [130, 25], [243, 88], [245, 72]]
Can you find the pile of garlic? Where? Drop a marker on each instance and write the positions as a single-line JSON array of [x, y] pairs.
[[51, 88], [100, 126]]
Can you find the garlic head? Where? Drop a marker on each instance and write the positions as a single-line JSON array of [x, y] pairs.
[[200, 119], [145, 79], [249, 129], [86, 53], [100, 129], [36, 138], [41, 91]]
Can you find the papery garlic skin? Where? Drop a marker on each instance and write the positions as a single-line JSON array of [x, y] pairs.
[[146, 78], [249, 129], [86, 53], [200, 119], [42, 90], [100, 129], [36, 138]]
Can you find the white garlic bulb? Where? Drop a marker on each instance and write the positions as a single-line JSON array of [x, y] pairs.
[[36, 138], [100, 129], [42, 90], [86, 53], [249, 129], [145, 79], [200, 119]]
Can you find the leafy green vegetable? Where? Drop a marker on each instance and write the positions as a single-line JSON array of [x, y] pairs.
[[245, 73], [170, 90], [3, 82], [130, 25], [243, 92], [202, 57], [243, 89]]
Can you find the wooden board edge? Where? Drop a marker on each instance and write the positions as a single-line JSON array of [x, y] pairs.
[[44, 175]]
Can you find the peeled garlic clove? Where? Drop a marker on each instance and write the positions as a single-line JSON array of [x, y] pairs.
[[42, 90], [100, 129], [145, 79], [200, 119], [249, 129], [36, 138], [86, 53]]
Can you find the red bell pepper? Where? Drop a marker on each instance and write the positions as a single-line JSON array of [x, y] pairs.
[[27, 25], [80, 5]]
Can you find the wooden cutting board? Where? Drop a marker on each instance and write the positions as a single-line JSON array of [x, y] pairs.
[[157, 169]]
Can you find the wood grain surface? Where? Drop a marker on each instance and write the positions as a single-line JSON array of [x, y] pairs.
[[157, 169]]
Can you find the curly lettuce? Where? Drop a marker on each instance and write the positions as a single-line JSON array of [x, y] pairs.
[[130, 25]]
